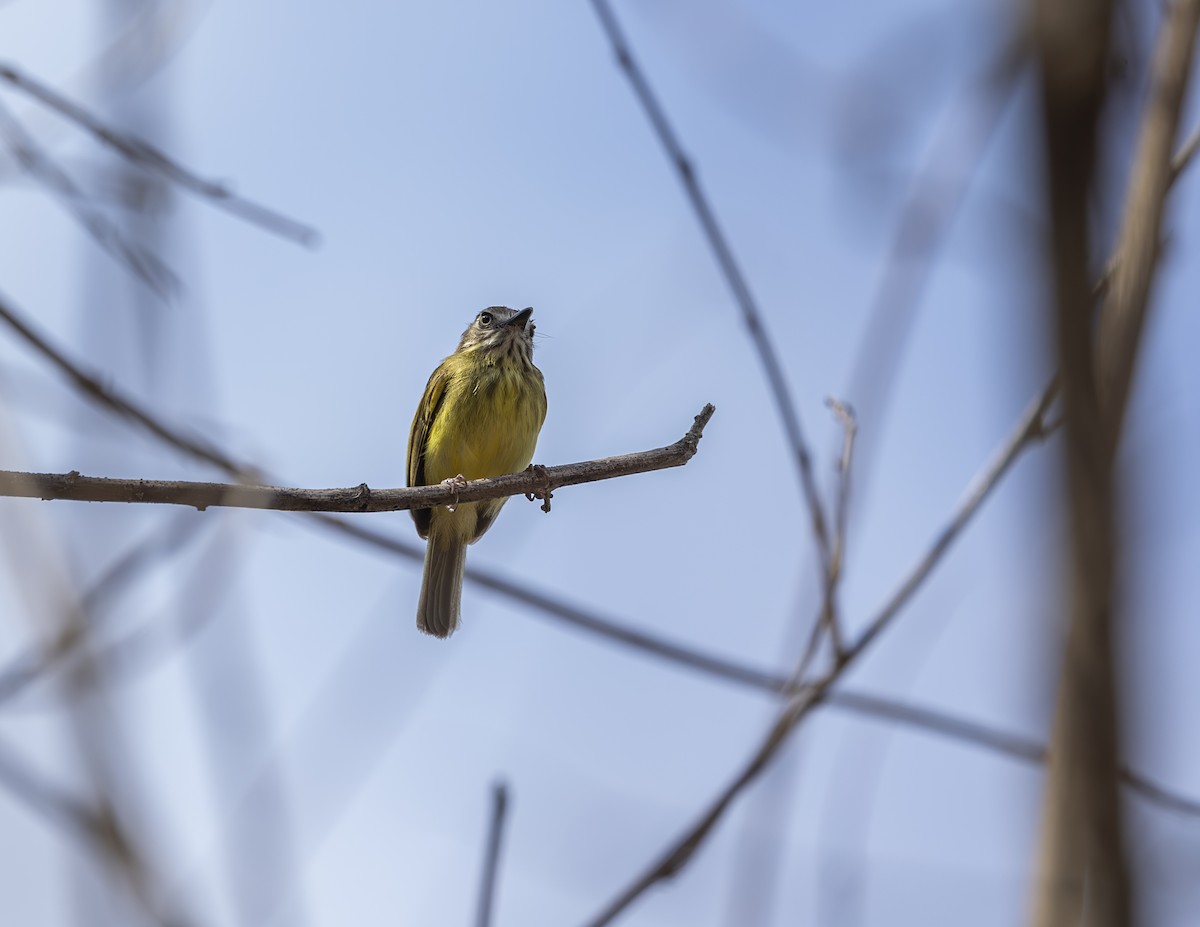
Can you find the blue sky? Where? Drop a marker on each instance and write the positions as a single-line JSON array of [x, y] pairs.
[[455, 156]]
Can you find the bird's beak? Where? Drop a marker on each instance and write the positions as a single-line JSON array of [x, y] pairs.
[[520, 318]]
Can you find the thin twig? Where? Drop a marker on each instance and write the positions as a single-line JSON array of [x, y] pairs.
[[146, 155], [828, 621], [753, 318], [491, 858]]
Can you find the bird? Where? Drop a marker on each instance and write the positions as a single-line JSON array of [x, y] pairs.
[[480, 416]]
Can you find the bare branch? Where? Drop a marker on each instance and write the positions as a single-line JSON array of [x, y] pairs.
[[751, 315], [94, 829], [491, 859], [149, 157]]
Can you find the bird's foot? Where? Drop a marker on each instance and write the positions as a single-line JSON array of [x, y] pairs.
[[458, 482], [544, 492]]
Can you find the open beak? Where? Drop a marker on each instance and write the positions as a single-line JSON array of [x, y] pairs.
[[520, 319]]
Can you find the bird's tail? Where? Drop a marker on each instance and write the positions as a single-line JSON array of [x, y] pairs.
[[441, 585]]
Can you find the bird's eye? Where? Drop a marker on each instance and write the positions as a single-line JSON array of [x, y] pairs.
[[485, 319]]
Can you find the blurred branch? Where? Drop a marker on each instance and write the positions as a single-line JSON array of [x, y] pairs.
[[534, 482], [1184, 155], [142, 153], [751, 315], [78, 819], [140, 261], [491, 859], [1123, 319], [39, 662], [51, 803], [1084, 876], [95, 828]]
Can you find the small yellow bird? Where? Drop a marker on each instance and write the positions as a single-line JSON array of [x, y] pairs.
[[480, 416]]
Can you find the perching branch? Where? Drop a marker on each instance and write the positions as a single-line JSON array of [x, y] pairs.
[[536, 482], [92, 386], [149, 157]]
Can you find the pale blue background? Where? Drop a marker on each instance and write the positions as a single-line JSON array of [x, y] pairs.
[[459, 155]]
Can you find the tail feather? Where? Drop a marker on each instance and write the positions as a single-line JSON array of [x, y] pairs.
[[441, 585]]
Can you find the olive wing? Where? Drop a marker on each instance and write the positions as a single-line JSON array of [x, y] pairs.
[[418, 438]]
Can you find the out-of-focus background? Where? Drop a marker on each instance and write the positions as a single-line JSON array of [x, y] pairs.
[[228, 718]]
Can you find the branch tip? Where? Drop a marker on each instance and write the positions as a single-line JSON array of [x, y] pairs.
[[691, 441]]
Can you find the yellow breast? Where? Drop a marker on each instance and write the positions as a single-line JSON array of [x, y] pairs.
[[487, 424]]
